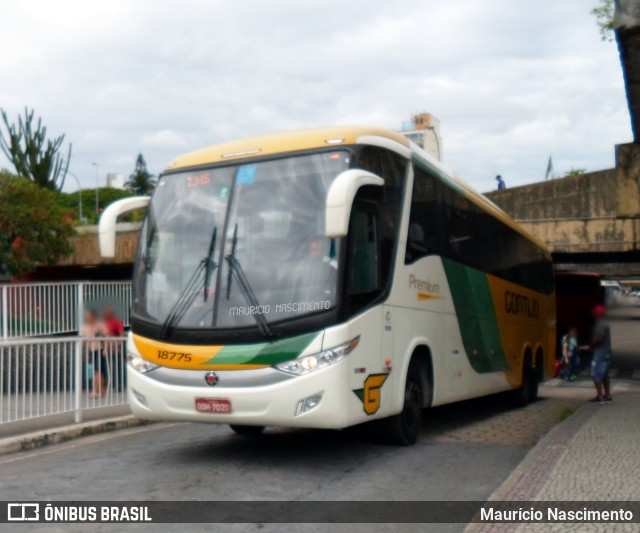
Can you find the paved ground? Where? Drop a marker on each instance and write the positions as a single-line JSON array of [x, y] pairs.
[[466, 452], [592, 456]]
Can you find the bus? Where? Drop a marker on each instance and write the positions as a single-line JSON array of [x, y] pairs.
[[324, 279], [612, 291]]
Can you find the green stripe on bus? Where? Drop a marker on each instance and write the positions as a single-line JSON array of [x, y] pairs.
[[264, 353], [476, 316]]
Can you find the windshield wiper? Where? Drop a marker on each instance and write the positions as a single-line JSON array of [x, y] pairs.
[[196, 283], [151, 233], [235, 271], [210, 263]]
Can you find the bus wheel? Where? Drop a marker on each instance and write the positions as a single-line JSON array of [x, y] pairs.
[[247, 430], [528, 391], [404, 428]]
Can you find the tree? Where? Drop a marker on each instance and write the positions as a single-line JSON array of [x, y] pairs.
[[604, 14], [33, 155], [141, 181], [34, 229], [575, 172]]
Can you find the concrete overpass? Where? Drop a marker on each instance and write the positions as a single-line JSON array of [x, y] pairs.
[[589, 222], [85, 261]]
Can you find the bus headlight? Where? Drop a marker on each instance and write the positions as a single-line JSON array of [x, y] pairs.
[[141, 365], [316, 361]]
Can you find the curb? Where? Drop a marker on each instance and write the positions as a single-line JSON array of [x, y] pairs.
[[37, 439]]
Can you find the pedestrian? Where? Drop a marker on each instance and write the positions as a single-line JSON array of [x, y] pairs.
[[501, 184], [570, 354], [92, 330], [115, 354], [112, 323], [601, 358]]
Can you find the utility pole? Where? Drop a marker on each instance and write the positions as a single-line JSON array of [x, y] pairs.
[[79, 196]]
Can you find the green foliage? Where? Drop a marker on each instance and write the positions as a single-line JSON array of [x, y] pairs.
[[33, 155], [106, 195], [604, 15], [575, 172], [141, 181], [34, 227]]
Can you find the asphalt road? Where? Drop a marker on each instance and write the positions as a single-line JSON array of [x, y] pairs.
[[465, 452], [187, 461]]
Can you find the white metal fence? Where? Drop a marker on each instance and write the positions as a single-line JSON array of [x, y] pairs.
[[40, 309], [40, 377]]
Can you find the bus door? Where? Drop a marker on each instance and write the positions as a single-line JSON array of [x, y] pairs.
[[373, 322]]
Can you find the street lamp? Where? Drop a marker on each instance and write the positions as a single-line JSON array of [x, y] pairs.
[[79, 195], [97, 185]]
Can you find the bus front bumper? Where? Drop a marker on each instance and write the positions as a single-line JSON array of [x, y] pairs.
[[276, 404]]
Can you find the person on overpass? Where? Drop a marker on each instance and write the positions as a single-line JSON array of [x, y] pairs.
[[501, 184]]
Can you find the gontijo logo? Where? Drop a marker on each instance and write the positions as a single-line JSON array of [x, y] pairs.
[[370, 394], [518, 304]]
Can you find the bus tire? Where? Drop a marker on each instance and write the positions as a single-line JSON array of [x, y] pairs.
[[528, 391], [404, 428], [247, 431]]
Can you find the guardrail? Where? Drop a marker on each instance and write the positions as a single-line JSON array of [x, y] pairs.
[[41, 377], [40, 309]]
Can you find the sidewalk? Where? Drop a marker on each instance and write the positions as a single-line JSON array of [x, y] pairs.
[[53, 429], [592, 455]]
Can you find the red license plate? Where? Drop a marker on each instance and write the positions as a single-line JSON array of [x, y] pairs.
[[213, 405]]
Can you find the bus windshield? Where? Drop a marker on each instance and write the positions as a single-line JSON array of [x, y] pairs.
[[240, 245]]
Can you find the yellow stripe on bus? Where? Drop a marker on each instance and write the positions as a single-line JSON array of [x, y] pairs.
[[428, 296], [176, 355]]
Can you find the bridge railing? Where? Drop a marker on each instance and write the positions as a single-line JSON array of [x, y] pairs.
[[42, 377], [41, 309]]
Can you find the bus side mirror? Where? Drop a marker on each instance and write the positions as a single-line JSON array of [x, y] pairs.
[[340, 199], [107, 226]]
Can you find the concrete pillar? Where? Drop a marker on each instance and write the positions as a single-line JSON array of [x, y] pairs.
[[628, 180]]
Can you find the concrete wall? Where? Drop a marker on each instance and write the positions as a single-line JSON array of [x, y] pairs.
[[586, 196], [86, 250], [586, 236], [594, 212], [628, 180]]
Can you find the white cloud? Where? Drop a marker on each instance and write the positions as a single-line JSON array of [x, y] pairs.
[[163, 139], [511, 81]]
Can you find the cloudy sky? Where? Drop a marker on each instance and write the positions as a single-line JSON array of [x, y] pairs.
[[512, 81]]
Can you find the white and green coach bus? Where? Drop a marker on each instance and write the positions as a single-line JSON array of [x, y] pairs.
[[326, 278]]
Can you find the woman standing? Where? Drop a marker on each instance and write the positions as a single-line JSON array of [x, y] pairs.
[[92, 330]]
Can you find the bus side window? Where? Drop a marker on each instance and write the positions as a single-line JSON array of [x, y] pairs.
[[427, 222], [363, 269], [364, 283], [388, 199]]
